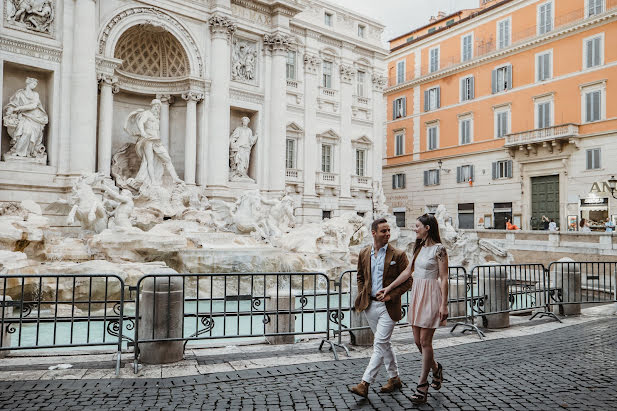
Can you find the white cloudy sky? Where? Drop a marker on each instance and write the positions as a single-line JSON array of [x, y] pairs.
[[400, 16]]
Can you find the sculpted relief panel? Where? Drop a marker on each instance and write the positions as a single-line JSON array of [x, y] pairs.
[[35, 15], [244, 60]]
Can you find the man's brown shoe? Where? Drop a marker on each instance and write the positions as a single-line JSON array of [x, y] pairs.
[[360, 389], [392, 384]]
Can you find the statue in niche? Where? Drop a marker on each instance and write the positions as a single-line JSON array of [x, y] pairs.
[[240, 145], [35, 15], [144, 126], [244, 57], [25, 118]]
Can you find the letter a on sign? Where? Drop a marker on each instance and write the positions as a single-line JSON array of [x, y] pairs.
[[595, 188]]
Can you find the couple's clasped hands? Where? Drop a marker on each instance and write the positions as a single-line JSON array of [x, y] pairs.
[[382, 295]]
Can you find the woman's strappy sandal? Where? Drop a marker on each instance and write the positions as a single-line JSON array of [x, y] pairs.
[[437, 378], [420, 397]]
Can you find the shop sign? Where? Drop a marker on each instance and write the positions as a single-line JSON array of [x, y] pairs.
[[595, 187]]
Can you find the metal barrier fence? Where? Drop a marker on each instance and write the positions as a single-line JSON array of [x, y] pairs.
[[233, 305], [580, 283], [61, 311]]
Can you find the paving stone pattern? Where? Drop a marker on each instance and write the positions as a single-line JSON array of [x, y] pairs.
[[569, 368]]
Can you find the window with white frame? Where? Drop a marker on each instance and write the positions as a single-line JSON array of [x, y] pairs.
[[431, 177], [361, 31], [464, 174], [594, 7], [593, 159], [399, 144], [544, 65], [503, 33], [544, 112], [432, 135], [593, 53], [502, 78], [361, 79], [545, 17], [400, 72], [502, 169], [328, 19], [467, 88], [291, 65], [360, 162], [434, 59], [465, 129], [432, 98], [502, 122], [399, 108], [290, 153], [593, 105], [327, 74], [326, 158], [467, 47], [398, 181]]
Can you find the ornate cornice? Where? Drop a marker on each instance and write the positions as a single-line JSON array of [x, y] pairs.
[[192, 96], [243, 95], [222, 25], [148, 86], [108, 80], [165, 98], [107, 65], [347, 73], [311, 63], [26, 48], [278, 42], [379, 82]]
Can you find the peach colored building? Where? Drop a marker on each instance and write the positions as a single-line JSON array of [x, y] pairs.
[[506, 111]]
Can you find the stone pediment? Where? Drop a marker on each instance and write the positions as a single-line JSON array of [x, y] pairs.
[[362, 141], [293, 129], [329, 136]]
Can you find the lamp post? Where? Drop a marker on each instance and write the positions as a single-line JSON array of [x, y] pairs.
[[612, 183]]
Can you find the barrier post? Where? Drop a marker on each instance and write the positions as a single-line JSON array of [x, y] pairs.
[[6, 313], [357, 319]]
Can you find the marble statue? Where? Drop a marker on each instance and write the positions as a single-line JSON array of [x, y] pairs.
[[36, 15], [240, 145], [244, 58], [121, 205], [281, 217], [379, 199], [25, 119], [144, 126]]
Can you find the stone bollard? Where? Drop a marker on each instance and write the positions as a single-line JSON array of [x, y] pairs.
[[7, 311], [164, 320], [359, 337], [495, 285], [457, 291], [567, 278], [282, 322]]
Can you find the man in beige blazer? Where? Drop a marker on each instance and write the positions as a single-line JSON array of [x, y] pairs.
[[378, 266]]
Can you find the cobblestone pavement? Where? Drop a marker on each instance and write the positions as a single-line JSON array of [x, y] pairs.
[[569, 368]]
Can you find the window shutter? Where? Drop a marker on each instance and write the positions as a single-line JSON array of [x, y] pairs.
[[588, 107], [394, 110], [404, 106], [596, 52], [494, 81], [403, 183], [393, 180], [471, 172], [425, 177], [596, 105], [589, 159], [437, 177], [463, 91], [509, 74], [509, 169], [472, 93], [438, 93], [426, 100], [495, 166], [459, 171], [540, 68], [589, 51], [549, 13], [597, 158], [547, 66]]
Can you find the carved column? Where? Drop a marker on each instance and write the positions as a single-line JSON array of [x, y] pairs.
[[108, 86], [347, 158], [379, 131], [278, 44], [83, 88], [221, 28], [166, 100], [190, 136], [311, 150]]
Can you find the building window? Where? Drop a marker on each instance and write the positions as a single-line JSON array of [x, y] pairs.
[[434, 59], [290, 157], [467, 88], [361, 79], [409, 39], [464, 174], [400, 72], [594, 51], [326, 214], [433, 137], [360, 161], [466, 216], [594, 7], [361, 30], [545, 17], [328, 19], [465, 130], [593, 106], [502, 123], [543, 114], [400, 218], [544, 66], [326, 158], [399, 144], [399, 108], [432, 30], [593, 159], [503, 33], [502, 78], [502, 169], [431, 177], [467, 47], [327, 74], [291, 65], [432, 98], [398, 181]]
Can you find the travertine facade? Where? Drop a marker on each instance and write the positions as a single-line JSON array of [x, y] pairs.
[[306, 74]]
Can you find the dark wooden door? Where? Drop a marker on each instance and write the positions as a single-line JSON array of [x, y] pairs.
[[544, 200]]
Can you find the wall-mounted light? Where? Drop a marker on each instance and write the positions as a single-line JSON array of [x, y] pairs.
[[612, 184]]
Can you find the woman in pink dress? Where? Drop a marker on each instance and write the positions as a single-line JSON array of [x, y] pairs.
[[428, 304]]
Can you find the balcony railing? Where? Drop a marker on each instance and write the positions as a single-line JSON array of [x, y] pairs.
[[361, 101], [361, 182], [542, 134], [328, 92], [487, 44], [328, 179], [293, 175], [292, 83]]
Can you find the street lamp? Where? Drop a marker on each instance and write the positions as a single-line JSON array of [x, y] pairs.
[[612, 182], [440, 163]]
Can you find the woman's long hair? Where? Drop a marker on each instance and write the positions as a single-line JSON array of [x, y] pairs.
[[433, 234]]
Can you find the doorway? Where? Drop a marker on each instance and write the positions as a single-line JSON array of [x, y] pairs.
[[544, 200]]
